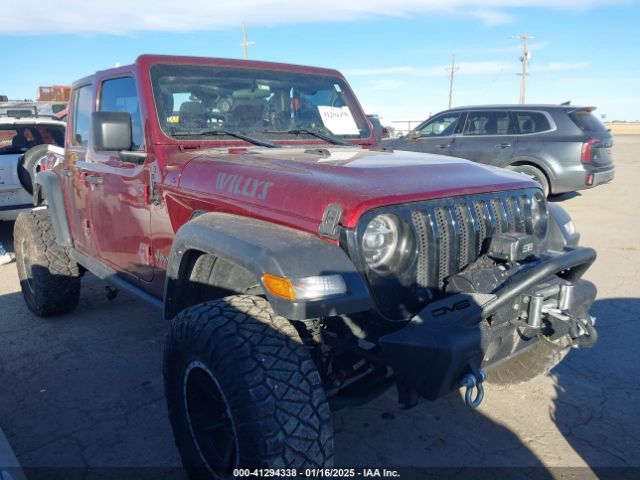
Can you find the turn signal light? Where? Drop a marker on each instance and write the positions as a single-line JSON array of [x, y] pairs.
[[305, 288], [278, 286]]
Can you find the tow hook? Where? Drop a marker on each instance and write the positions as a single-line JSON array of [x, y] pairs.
[[583, 332], [473, 381]]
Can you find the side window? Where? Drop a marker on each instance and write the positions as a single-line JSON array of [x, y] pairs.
[[82, 115], [532, 122], [120, 95], [487, 123], [440, 126]]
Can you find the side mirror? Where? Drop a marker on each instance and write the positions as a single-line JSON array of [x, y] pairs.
[[111, 131], [412, 135]]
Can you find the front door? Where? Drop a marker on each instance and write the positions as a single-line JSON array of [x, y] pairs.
[[120, 191], [436, 135], [71, 173], [487, 138]]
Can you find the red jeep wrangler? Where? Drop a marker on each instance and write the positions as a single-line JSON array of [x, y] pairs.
[[296, 260]]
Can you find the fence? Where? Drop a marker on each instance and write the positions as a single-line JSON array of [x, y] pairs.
[[402, 127]]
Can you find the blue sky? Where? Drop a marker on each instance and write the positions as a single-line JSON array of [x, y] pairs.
[[393, 52]]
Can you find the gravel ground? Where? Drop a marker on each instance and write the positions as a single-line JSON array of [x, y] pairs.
[[85, 389]]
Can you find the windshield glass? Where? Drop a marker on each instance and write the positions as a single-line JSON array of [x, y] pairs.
[[194, 100], [20, 138], [588, 121]]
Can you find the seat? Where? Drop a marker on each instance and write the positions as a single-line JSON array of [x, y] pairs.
[[20, 141], [193, 115], [471, 127], [491, 127], [527, 126], [247, 116]]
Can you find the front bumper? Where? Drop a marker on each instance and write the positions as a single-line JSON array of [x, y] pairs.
[[465, 332]]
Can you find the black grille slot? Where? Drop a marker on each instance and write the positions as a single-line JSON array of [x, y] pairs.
[[422, 272], [443, 229], [498, 214], [463, 222], [511, 213], [482, 214]]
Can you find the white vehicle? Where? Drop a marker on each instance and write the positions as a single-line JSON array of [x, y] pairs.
[[24, 143]]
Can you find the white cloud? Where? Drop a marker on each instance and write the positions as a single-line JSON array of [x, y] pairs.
[[558, 66], [125, 17], [492, 17], [387, 84], [465, 68]]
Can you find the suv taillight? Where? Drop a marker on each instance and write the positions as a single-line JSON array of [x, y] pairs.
[[585, 155]]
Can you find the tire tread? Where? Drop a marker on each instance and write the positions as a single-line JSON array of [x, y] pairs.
[[54, 274], [270, 381]]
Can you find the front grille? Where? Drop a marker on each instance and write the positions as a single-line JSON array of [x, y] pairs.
[[447, 235], [453, 233]]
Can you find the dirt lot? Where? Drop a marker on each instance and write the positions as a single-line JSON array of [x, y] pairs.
[[624, 128], [85, 390]]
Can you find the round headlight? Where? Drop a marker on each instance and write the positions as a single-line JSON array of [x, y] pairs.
[[380, 241], [539, 215], [385, 244]]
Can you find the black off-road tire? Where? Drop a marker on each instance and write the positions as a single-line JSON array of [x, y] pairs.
[[49, 278], [537, 360], [30, 166], [262, 380], [536, 174]]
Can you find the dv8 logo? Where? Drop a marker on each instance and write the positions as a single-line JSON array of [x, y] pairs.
[[461, 305]]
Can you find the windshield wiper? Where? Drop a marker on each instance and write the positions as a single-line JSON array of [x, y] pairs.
[[314, 133], [241, 136]]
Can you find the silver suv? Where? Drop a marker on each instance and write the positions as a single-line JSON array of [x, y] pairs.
[[563, 147]]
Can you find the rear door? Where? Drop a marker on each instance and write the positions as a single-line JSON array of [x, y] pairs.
[[120, 194], [436, 135], [487, 137], [532, 127]]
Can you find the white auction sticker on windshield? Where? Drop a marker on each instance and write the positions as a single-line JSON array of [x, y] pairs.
[[338, 120]]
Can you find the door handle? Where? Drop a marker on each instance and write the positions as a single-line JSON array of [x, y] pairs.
[[503, 145], [444, 145], [93, 179]]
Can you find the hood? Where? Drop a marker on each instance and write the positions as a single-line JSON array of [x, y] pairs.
[[302, 183]]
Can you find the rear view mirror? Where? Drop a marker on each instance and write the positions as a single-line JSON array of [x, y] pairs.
[[111, 131]]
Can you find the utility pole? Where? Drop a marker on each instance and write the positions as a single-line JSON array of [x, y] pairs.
[[245, 43], [524, 59], [452, 71]]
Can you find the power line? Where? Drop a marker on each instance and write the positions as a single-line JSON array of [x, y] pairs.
[[452, 72], [524, 59], [245, 43]]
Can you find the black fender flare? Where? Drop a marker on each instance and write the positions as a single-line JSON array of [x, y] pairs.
[[261, 247], [49, 182], [558, 237]]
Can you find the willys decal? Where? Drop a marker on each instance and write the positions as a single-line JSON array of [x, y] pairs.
[[245, 186]]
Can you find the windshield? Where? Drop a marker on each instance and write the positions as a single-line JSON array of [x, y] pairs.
[[196, 100], [588, 121], [20, 138]]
